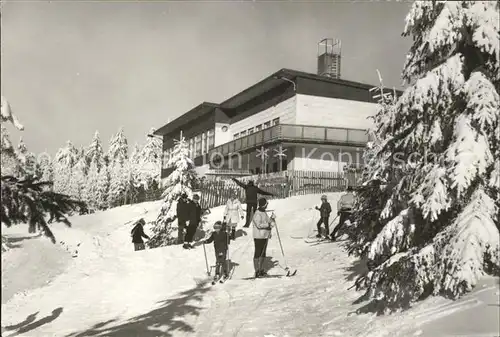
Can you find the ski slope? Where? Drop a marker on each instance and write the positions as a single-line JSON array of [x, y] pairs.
[[107, 289]]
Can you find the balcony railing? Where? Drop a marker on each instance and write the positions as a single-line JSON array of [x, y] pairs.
[[295, 133]]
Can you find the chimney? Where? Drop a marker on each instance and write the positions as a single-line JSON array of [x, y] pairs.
[[329, 51]]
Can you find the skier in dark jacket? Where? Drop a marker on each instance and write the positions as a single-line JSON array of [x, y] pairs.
[[195, 213], [221, 241], [182, 216], [251, 195], [324, 211], [137, 235]]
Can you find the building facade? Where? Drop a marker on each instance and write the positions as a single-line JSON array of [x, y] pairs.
[[290, 120]]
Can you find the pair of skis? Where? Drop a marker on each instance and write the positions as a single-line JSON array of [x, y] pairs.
[[220, 279]]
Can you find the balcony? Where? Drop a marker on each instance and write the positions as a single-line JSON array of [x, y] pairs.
[[296, 134]]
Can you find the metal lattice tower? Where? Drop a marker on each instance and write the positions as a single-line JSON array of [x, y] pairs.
[[329, 55]]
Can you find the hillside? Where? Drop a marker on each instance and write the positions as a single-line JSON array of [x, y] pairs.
[[107, 289]]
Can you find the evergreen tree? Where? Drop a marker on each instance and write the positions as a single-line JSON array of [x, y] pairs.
[[78, 179], [44, 168], [118, 148], [8, 156], [119, 184], [27, 161], [118, 167], [95, 152], [438, 228], [376, 187], [182, 180], [28, 202], [102, 189], [133, 172], [9, 159], [149, 162], [90, 191], [63, 164]]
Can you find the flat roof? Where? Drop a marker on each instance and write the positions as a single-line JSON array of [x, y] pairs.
[[277, 79], [189, 116], [270, 82]]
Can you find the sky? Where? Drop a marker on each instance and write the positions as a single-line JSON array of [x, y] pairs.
[[70, 69]]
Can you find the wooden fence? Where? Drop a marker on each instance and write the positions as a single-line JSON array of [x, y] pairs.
[[281, 184]]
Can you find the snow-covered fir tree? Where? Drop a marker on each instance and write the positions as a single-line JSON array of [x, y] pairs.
[[133, 173], [120, 184], [9, 159], [118, 148], [78, 178], [118, 169], [63, 164], [375, 189], [438, 229], [149, 165], [8, 155], [27, 202], [44, 167], [182, 180], [27, 161], [102, 188], [94, 152], [90, 191]]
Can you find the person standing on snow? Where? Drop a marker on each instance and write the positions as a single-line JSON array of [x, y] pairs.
[[251, 193], [345, 208], [194, 216], [137, 235], [221, 241], [324, 211], [232, 214], [262, 227], [182, 216]]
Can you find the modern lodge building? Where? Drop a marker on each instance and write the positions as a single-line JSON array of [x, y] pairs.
[[302, 121]]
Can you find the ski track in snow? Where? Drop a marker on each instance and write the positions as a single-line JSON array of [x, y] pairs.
[[110, 290]]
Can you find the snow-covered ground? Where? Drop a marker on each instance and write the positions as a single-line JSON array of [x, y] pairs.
[[107, 289]]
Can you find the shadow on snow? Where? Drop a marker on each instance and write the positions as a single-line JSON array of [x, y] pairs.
[[165, 320], [30, 323]]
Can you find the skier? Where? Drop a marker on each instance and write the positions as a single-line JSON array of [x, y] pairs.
[[345, 208], [325, 211], [251, 192], [195, 213], [137, 234], [262, 226], [221, 241], [182, 216], [232, 214]]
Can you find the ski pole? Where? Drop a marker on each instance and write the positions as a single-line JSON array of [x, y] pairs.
[[331, 223], [206, 259], [228, 256], [281, 246]]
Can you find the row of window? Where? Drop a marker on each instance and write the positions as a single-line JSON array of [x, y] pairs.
[[257, 128], [199, 144]]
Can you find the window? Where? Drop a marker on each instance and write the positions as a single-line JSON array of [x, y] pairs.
[[267, 125], [243, 133], [284, 164], [197, 145], [211, 139], [258, 128], [250, 131], [191, 147], [203, 143], [276, 121], [236, 135]]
